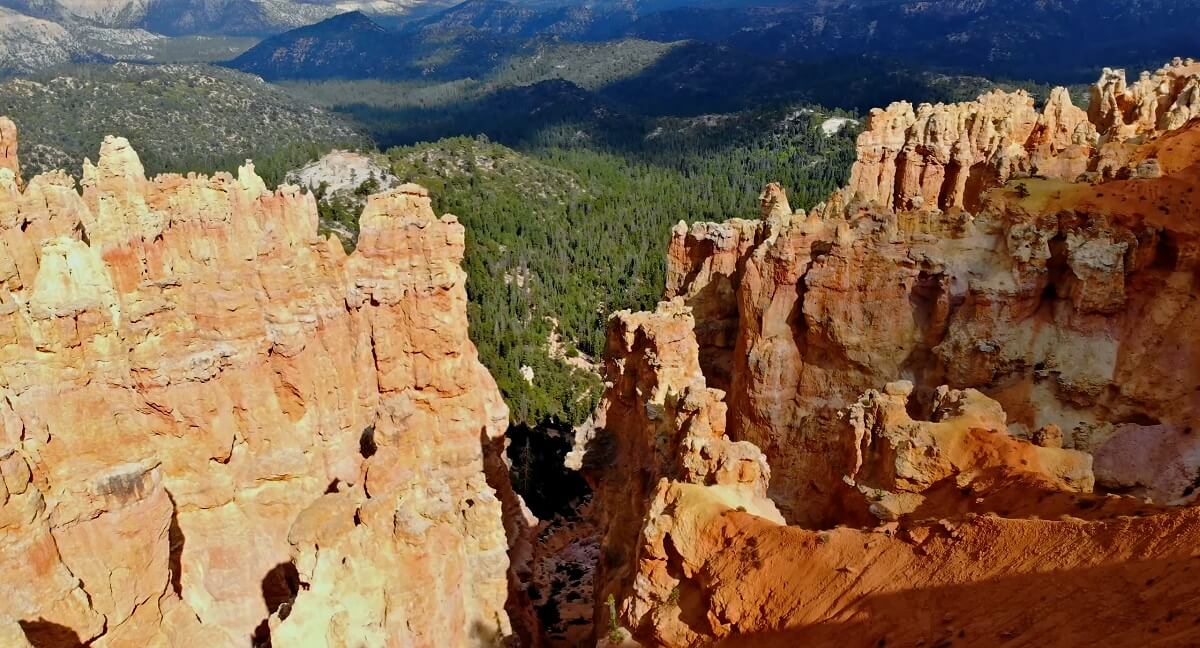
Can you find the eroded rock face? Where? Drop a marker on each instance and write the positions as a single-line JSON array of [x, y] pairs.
[[8, 147], [1158, 101], [972, 383], [205, 403], [747, 581], [911, 151], [1057, 299], [416, 554], [944, 157], [713, 564], [963, 455], [667, 427]]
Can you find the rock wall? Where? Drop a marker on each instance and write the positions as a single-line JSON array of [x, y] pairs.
[[951, 516], [206, 407], [1158, 101], [945, 156], [667, 427], [1009, 355], [1062, 300], [8, 147]]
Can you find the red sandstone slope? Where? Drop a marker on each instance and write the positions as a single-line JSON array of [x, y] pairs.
[[977, 393]]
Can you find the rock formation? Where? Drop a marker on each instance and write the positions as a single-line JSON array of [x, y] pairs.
[[1158, 101], [963, 378], [943, 157], [8, 147], [1040, 298], [217, 425], [903, 466]]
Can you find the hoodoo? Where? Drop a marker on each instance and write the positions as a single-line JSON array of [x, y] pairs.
[[955, 404], [217, 426]]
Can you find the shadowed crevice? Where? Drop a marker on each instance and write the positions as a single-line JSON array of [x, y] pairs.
[[175, 541], [47, 634]]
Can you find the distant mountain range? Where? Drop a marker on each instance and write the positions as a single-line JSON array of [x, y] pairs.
[[29, 44], [769, 42], [212, 17], [1050, 40], [353, 46], [1059, 41]]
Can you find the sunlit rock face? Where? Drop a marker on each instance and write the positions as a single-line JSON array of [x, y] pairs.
[[205, 405], [959, 386], [1065, 300], [946, 156], [8, 147]]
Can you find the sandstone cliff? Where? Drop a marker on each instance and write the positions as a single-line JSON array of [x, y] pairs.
[[217, 425], [989, 328], [945, 156]]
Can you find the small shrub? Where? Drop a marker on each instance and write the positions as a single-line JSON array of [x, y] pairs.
[[614, 629]]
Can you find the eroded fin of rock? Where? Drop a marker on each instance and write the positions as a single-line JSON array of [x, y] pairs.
[[206, 406]]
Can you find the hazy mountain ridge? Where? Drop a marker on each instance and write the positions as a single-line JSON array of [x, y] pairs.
[[1048, 41], [29, 44], [203, 117], [1041, 40], [208, 17]]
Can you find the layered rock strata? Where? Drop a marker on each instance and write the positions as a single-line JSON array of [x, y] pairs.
[[212, 414], [8, 147], [1064, 301], [668, 429], [972, 395], [945, 156]]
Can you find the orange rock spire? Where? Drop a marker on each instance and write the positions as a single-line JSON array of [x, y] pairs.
[[204, 403], [945, 367]]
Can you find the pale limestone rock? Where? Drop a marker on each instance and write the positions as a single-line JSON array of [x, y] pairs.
[[773, 202], [938, 156]]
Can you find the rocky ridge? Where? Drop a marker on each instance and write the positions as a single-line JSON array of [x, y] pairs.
[[29, 44], [968, 370], [219, 427]]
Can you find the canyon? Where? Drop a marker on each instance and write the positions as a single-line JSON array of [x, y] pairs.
[[954, 404]]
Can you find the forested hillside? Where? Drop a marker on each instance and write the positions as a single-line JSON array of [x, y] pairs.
[[179, 117], [561, 236]]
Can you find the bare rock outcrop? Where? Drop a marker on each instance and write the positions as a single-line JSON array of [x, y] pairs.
[[667, 430], [1061, 300], [962, 459], [941, 156], [417, 545], [1158, 101], [970, 369], [8, 147], [745, 580], [945, 156], [958, 501], [204, 403]]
